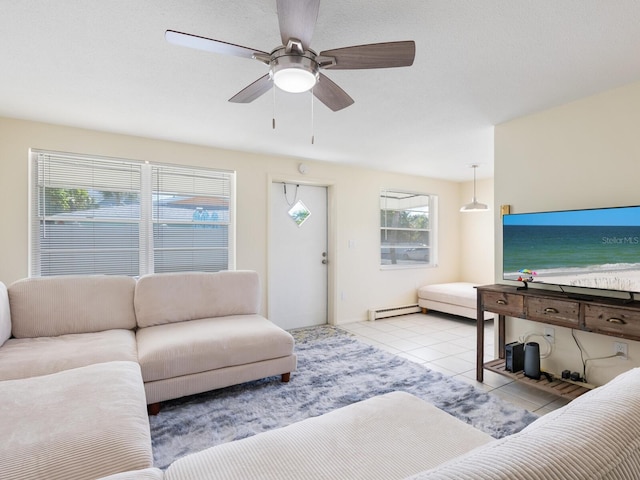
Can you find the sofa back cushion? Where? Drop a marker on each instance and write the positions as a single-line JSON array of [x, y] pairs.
[[5, 315], [596, 436], [51, 306], [162, 298]]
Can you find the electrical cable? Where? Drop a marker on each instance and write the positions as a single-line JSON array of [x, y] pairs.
[[584, 363], [526, 337]]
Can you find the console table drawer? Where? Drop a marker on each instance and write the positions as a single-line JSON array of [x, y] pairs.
[[558, 312], [504, 303], [612, 321]]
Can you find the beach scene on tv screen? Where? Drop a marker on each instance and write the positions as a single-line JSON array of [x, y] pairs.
[[597, 248]]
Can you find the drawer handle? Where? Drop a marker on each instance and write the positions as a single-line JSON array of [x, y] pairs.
[[550, 310], [501, 302], [617, 321]]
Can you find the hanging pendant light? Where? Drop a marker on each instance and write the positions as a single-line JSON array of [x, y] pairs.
[[474, 206]]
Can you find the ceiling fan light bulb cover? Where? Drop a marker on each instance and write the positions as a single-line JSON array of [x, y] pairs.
[[294, 80], [294, 73]]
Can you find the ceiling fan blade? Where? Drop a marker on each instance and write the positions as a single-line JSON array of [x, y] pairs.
[[209, 45], [331, 94], [297, 19], [375, 55], [253, 91]]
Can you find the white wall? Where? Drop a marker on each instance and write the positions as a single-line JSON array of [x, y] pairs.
[[580, 155], [357, 283]]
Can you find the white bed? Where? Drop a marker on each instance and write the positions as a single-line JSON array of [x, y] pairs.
[[457, 298]]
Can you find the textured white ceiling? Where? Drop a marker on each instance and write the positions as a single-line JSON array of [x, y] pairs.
[[105, 65]]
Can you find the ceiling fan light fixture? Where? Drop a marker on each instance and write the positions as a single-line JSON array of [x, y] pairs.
[[294, 80], [294, 73]]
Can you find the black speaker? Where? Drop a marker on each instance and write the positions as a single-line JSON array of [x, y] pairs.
[[532, 360], [514, 356]]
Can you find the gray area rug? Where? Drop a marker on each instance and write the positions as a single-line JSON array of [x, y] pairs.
[[334, 370]]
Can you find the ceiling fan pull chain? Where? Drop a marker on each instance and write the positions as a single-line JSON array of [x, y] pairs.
[[313, 137], [273, 120]]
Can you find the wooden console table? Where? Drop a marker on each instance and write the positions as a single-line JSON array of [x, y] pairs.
[[605, 316]]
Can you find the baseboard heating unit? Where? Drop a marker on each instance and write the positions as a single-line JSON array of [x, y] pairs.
[[377, 314]]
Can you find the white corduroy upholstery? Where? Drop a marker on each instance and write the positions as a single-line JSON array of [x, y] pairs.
[[201, 331], [5, 315], [79, 424], [72, 397], [386, 437], [50, 306], [29, 357], [175, 297], [146, 474], [175, 349], [596, 436]]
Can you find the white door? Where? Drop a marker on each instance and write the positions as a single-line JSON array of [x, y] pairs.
[[298, 256]]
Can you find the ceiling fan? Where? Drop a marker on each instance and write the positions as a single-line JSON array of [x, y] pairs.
[[293, 66]]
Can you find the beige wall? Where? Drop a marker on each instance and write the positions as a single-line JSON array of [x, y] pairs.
[[580, 155], [356, 281], [477, 235]]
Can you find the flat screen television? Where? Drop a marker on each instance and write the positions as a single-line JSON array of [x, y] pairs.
[[595, 248]]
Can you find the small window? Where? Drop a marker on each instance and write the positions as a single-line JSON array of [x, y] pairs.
[[407, 229]]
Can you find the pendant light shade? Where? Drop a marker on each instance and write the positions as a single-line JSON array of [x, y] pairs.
[[474, 206]]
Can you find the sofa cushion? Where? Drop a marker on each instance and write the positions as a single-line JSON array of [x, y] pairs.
[[174, 349], [84, 423], [146, 474], [49, 306], [5, 315], [162, 298], [29, 357], [386, 437], [596, 436]]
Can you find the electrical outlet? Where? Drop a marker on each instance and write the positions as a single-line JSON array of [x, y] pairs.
[[550, 334], [620, 349]]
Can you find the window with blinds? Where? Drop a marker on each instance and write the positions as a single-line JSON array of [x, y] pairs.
[[407, 229], [96, 215]]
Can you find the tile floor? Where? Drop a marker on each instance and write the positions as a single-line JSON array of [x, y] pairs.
[[447, 343]]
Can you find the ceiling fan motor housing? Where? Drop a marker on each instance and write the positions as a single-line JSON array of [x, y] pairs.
[[292, 71]]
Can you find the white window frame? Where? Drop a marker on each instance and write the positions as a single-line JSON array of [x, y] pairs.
[[411, 253], [143, 215]]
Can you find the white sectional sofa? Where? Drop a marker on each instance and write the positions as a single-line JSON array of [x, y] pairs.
[[398, 436], [81, 357], [89, 421]]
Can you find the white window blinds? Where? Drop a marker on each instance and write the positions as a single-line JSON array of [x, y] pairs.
[[192, 216], [407, 228], [93, 215]]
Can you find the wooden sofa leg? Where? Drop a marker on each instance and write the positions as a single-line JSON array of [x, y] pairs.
[[424, 310], [153, 409], [286, 377]]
